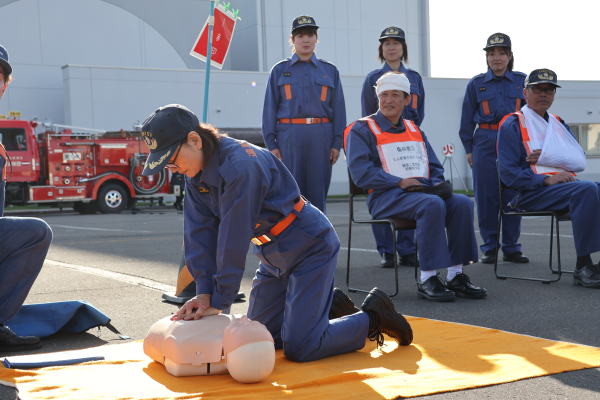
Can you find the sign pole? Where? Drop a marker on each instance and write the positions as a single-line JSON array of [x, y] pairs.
[[211, 22]]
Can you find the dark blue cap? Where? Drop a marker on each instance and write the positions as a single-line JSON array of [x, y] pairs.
[[162, 131], [304, 21], [497, 39], [4, 61], [539, 76], [392, 32]]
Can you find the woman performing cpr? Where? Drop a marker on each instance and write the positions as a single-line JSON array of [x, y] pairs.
[[237, 193]]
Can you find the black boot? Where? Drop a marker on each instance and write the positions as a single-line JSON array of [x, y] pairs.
[[383, 318], [387, 260], [409, 260], [341, 305], [10, 341]]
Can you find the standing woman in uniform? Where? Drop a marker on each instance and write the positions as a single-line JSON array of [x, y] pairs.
[[489, 97], [304, 115], [393, 53]]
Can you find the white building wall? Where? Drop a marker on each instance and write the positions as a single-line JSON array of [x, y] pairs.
[[114, 98]]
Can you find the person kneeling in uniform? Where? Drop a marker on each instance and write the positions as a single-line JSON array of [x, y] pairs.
[[236, 193], [548, 187], [391, 157]]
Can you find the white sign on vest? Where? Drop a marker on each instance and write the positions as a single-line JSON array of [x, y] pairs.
[[405, 159]]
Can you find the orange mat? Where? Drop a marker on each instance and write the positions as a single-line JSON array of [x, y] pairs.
[[444, 357]]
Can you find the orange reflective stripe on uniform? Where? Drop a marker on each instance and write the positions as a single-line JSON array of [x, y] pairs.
[[518, 106], [288, 91], [415, 98], [486, 108], [323, 93], [5, 155]]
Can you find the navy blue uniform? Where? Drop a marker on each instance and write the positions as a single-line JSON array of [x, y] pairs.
[[487, 100], [298, 90], [432, 213], [242, 192], [581, 198], [24, 243], [415, 112]]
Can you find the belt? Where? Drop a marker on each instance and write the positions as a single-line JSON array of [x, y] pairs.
[[281, 225], [486, 126], [306, 121]]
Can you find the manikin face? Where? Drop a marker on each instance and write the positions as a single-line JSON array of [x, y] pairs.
[[305, 44], [189, 160], [497, 59], [391, 104], [392, 50], [540, 102]]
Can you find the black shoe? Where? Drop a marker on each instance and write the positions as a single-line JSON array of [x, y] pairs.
[[390, 322], [588, 276], [516, 257], [10, 341], [387, 260], [341, 305], [489, 257], [409, 260], [434, 290], [462, 287]]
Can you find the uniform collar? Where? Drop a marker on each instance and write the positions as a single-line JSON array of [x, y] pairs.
[[385, 124], [210, 173], [489, 75], [313, 59], [387, 68]]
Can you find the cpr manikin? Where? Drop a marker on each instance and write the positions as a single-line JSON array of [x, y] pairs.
[[216, 344]]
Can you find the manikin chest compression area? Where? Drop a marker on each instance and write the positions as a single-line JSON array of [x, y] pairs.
[[212, 345]]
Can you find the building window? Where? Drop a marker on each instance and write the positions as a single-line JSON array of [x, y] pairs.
[[588, 136]]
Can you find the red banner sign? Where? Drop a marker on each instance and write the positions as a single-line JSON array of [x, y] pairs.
[[221, 38]]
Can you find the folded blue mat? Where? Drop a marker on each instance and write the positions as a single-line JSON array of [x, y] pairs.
[[46, 319]]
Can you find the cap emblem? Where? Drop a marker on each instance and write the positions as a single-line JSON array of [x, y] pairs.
[[392, 31], [497, 39], [546, 76], [150, 142], [154, 164], [304, 20]]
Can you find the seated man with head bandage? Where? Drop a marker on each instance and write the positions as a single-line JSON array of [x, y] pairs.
[[538, 157], [391, 157]]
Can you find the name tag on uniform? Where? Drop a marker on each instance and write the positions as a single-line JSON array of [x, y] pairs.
[[405, 159], [482, 89], [287, 74]]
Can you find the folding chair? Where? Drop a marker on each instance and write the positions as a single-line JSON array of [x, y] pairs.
[[397, 224], [555, 216]]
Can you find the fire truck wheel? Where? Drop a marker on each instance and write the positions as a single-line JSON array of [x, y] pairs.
[[112, 199], [86, 208]]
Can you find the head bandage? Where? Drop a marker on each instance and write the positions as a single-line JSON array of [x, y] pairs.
[[392, 82]]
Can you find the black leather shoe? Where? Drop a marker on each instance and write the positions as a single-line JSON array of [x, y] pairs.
[[390, 322], [10, 341], [462, 287], [516, 257], [489, 257], [341, 305], [588, 276], [434, 290], [387, 260], [408, 260]]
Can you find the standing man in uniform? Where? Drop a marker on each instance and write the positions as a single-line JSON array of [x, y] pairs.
[[390, 156], [24, 243], [543, 187], [488, 98], [393, 53], [304, 115], [237, 193]]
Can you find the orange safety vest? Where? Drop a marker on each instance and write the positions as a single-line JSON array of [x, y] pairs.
[[3, 154], [537, 169], [412, 137]]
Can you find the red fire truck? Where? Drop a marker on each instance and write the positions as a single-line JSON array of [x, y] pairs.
[[91, 171]]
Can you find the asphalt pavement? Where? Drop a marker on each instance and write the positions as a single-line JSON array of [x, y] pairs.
[[122, 263]]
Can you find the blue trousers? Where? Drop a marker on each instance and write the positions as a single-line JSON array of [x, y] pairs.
[[293, 288], [405, 240], [305, 150], [24, 243], [433, 215], [581, 198], [485, 183]]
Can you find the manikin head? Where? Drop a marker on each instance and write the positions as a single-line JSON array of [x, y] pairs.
[[393, 92]]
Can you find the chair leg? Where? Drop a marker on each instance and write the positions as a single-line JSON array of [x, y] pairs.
[[348, 259], [559, 271], [498, 244], [395, 259], [416, 262], [551, 240]]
